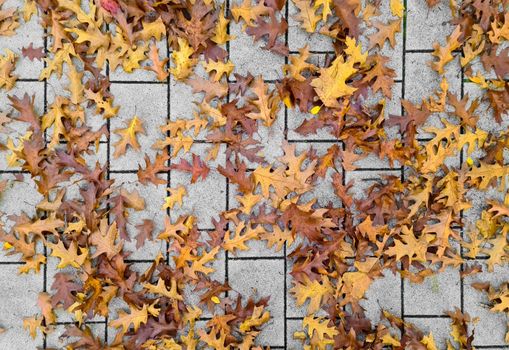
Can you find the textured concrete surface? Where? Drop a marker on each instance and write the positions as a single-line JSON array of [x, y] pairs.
[[259, 271]]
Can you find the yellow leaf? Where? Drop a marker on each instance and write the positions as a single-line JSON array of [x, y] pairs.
[[388, 339], [177, 194], [155, 29], [242, 234], [287, 101], [249, 13], [221, 35], [219, 67], [161, 289], [397, 8], [444, 54], [298, 65], [29, 9], [182, 61], [128, 136], [267, 103], [354, 51], [33, 324], [307, 15], [319, 326], [316, 291], [93, 35], [7, 65], [429, 341], [215, 300], [326, 8], [315, 109], [255, 320], [75, 86], [136, 317], [331, 84], [68, 256], [199, 264], [33, 263], [133, 58]]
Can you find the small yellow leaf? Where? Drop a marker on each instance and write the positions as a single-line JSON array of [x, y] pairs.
[[7, 245], [299, 335], [287, 102], [397, 8], [215, 300], [470, 161], [315, 109]]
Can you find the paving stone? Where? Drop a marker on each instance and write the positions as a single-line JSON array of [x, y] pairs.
[[204, 199], [362, 180], [486, 118], [27, 33], [292, 327], [133, 101], [154, 200], [435, 296], [18, 129], [421, 82], [56, 341], [250, 57], [17, 198], [298, 38], [490, 329], [257, 278], [383, 294], [439, 327], [425, 26], [19, 306]]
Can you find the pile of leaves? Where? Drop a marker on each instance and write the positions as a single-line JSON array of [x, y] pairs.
[[413, 224]]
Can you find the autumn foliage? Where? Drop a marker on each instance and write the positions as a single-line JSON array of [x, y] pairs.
[[413, 224]]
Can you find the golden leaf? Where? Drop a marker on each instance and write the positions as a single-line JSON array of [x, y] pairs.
[[7, 65], [307, 15], [331, 84], [316, 291], [176, 196], [136, 317], [68, 256], [397, 8], [128, 137], [181, 58]]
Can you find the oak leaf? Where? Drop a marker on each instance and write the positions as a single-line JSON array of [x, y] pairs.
[[307, 15], [33, 53], [181, 58], [266, 103], [128, 136], [68, 256], [104, 240], [176, 196], [7, 65], [385, 32], [444, 54], [162, 289], [158, 66], [316, 291], [332, 82], [136, 317]]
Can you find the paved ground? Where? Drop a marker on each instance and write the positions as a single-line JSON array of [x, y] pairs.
[[259, 270]]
